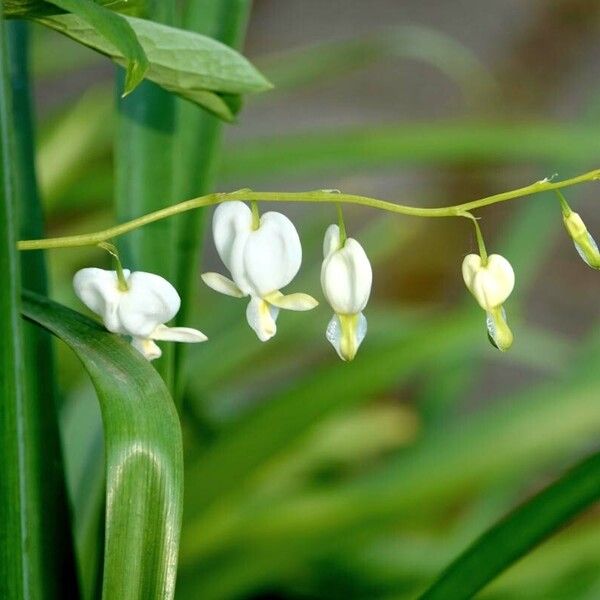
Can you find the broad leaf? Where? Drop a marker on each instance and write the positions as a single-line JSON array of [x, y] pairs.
[[191, 65], [116, 31], [519, 532], [144, 461]]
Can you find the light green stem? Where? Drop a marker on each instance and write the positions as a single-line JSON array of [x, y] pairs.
[[480, 243], [318, 196], [564, 205], [341, 225], [112, 250]]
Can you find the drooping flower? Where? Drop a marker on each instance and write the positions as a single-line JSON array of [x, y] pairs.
[[584, 243], [262, 257], [346, 278], [138, 307], [491, 282]]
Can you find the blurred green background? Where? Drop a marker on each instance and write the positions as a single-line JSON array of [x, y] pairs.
[[308, 478]]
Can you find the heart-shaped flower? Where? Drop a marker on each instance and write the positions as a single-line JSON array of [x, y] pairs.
[[139, 311], [491, 282], [262, 257], [346, 278]]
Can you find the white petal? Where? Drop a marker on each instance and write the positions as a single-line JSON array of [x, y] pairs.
[[147, 347], [150, 302], [272, 254], [222, 284], [178, 334], [98, 290], [229, 220], [346, 278], [491, 284], [346, 333], [296, 301], [331, 242], [261, 317]]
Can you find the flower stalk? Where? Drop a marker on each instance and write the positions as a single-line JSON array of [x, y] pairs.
[[318, 196]]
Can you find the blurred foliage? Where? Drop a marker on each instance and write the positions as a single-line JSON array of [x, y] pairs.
[[306, 478]]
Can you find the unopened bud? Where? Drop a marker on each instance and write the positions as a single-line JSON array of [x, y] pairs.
[[584, 243]]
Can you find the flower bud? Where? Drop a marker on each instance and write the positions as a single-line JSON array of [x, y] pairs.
[[491, 281], [584, 243], [346, 278]]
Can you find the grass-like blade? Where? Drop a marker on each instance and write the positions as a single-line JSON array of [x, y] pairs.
[[52, 548], [144, 178], [117, 31], [18, 576], [519, 532], [191, 65], [144, 461]]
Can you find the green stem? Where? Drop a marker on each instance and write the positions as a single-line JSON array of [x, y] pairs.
[[255, 215], [480, 243], [566, 209], [341, 225], [112, 250], [318, 196]]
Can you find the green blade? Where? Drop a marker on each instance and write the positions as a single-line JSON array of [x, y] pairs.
[[18, 577], [48, 501], [144, 179], [116, 31], [144, 459], [519, 532]]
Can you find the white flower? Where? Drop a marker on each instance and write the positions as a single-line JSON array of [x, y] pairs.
[[139, 312], [261, 261], [346, 278], [491, 283]]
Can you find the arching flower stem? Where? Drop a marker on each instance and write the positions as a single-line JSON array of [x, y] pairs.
[[318, 196], [112, 250]]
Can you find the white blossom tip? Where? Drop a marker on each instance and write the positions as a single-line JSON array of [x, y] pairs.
[[222, 284], [346, 333]]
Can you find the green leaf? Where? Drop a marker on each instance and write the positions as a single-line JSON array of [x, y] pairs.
[[519, 532], [116, 31], [144, 461], [52, 549], [27, 9], [18, 575], [191, 65], [144, 178]]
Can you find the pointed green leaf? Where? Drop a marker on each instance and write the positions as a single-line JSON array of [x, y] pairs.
[[116, 31], [519, 532], [191, 65], [144, 461]]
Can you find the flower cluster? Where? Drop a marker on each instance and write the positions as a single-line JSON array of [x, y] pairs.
[[263, 254]]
